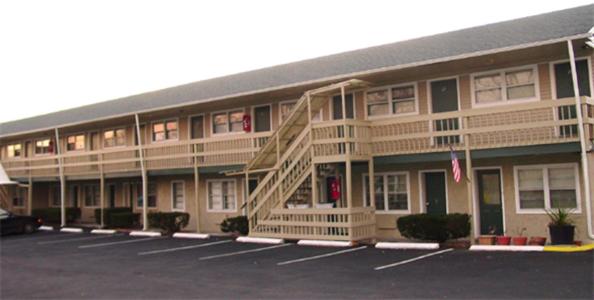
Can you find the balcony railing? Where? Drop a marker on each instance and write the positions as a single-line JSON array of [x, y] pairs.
[[534, 123]]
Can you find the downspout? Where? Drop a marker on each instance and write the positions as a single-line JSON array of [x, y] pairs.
[[143, 170], [584, 154], [62, 181]]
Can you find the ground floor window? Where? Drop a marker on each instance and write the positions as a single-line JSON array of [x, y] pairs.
[[19, 198], [541, 187], [55, 196], [178, 201], [92, 195], [152, 195], [222, 195], [391, 192]]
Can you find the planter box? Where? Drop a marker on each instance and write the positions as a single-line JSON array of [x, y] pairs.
[[486, 240], [561, 235]]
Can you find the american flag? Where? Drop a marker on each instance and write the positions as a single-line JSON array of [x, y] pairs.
[[455, 166]]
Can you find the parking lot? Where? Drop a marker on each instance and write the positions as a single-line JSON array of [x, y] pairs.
[[70, 265]]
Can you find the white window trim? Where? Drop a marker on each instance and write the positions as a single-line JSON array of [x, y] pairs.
[[190, 126], [547, 200], [164, 121], [280, 104], [504, 100], [345, 94], [102, 138], [15, 157], [208, 209], [422, 201], [387, 211], [553, 79], [390, 106], [476, 218], [136, 206], [34, 150], [183, 184], [212, 127], [84, 200], [76, 134], [253, 114]]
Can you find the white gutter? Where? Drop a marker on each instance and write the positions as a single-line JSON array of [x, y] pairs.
[[584, 153], [62, 180], [314, 81]]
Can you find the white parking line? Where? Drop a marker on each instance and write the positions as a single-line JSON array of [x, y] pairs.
[[244, 252], [184, 248], [117, 243], [412, 259], [320, 256], [72, 240]]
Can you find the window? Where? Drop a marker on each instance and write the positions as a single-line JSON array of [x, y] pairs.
[[197, 127], [165, 130], [56, 196], [396, 100], [349, 102], [178, 201], [152, 195], [14, 151], [224, 122], [75, 142], [221, 195], [43, 147], [391, 192], [114, 137], [285, 109], [92, 195], [546, 187], [499, 87], [19, 197], [262, 118]]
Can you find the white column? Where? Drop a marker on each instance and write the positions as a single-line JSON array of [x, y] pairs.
[[62, 181], [144, 177]]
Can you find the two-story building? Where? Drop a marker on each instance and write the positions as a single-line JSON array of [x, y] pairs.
[[339, 147]]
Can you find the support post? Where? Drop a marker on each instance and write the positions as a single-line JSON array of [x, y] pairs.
[[144, 177], [62, 181], [196, 194], [469, 176], [30, 196], [102, 198], [371, 191], [349, 183], [583, 148], [314, 169]]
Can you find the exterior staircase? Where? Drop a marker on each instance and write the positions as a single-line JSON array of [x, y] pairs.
[[279, 207]]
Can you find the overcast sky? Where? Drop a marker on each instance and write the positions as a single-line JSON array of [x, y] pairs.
[[56, 55]]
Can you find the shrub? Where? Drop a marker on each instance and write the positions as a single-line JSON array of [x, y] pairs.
[[53, 214], [236, 224], [108, 212], [434, 227], [123, 219], [170, 222]]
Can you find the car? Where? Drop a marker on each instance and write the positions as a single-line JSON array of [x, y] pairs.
[[11, 223]]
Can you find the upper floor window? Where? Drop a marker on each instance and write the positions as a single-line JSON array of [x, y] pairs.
[[231, 121], [165, 130], [502, 86], [75, 142], [546, 187], [114, 137], [14, 150], [397, 100], [43, 146]]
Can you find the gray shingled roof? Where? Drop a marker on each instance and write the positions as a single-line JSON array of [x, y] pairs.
[[529, 30]]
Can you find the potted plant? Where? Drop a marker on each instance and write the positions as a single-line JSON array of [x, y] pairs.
[[561, 226], [488, 239], [537, 241], [503, 239], [520, 239]]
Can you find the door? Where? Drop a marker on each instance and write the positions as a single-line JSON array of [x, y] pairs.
[[94, 141], [262, 118], [444, 98], [489, 197], [197, 129], [337, 106], [564, 89], [435, 193], [112, 195], [74, 195]]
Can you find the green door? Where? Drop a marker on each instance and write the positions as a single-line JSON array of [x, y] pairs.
[[489, 196], [435, 193]]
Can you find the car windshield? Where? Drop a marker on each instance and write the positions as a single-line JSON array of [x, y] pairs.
[[3, 213]]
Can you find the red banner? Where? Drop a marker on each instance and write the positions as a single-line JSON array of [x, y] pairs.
[[335, 189], [247, 123]]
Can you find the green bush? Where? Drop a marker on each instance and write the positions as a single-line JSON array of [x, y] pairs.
[[434, 227], [236, 224], [170, 222], [53, 214]]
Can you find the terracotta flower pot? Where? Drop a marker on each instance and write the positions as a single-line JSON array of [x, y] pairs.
[[537, 241], [503, 240], [519, 241], [486, 240]]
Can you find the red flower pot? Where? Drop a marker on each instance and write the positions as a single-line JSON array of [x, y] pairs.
[[519, 241], [503, 240], [537, 241]]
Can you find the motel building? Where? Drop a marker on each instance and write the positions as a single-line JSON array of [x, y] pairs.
[[339, 147]]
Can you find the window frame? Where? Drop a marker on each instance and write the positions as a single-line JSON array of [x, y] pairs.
[[504, 100], [354, 105], [212, 210], [553, 79], [547, 192], [84, 134], [228, 112], [14, 156], [190, 117], [138, 186], [42, 154], [164, 122], [98, 201], [183, 189], [391, 112], [102, 137], [386, 209], [23, 203], [253, 112]]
